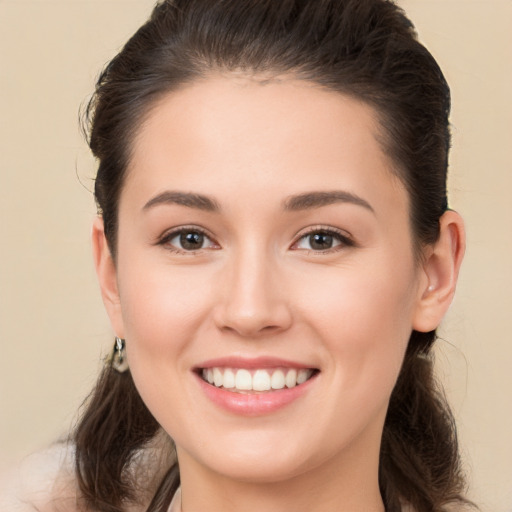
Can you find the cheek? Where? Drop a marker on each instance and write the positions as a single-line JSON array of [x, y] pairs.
[[364, 318], [162, 308]]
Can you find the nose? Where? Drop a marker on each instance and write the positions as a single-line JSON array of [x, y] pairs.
[[253, 301]]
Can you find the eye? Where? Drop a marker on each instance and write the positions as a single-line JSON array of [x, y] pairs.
[[322, 240], [188, 240]]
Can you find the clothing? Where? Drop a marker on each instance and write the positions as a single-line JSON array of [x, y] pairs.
[[175, 505], [42, 481]]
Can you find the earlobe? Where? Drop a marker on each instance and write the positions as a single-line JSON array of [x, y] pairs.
[[440, 273], [107, 276]]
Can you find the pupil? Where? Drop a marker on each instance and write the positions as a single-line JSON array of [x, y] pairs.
[[191, 241], [320, 241]]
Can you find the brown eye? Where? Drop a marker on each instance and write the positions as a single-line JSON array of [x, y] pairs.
[[191, 241], [188, 240], [322, 240]]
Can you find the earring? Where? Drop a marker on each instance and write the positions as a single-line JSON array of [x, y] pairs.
[[119, 361]]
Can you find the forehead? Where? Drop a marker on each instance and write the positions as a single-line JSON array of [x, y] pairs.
[[284, 136]]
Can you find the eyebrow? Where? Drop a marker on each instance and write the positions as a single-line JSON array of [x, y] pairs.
[[190, 200], [306, 201], [311, 200]]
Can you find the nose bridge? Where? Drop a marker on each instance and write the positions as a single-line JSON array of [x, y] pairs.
[[253, 301]]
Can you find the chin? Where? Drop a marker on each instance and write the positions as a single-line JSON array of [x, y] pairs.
[[261, 471], [270, 459]]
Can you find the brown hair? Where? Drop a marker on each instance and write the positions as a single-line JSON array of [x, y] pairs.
[[367, 49]]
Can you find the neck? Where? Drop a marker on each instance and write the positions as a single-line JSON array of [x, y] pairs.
[[349, 483]]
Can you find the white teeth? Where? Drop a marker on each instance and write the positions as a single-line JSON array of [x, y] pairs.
[[218, 378], [255, 380], [291, 378], [243, 380], [229, 379], [261, 381], [277, 381], [302, 376]]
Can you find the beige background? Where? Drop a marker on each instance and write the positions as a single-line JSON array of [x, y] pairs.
[[52, 325]]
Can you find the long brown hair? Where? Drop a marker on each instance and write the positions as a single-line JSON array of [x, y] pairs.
[[367, 49]]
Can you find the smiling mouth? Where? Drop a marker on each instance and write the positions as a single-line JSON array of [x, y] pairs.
[[262, 380]]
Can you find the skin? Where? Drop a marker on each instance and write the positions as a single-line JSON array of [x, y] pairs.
[[257, 288]]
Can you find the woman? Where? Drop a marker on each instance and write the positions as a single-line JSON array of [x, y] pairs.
[[275, 252]]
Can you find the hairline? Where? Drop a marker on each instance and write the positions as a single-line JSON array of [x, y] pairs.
[[265, 77]]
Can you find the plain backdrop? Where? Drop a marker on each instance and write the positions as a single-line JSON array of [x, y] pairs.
[[53, 331]]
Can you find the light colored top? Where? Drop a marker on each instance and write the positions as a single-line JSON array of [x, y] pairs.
[[175, 505], [43, 481]]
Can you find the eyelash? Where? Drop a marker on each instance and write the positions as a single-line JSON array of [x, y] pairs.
[[340, 236]]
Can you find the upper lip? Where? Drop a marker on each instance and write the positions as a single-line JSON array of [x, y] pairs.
[[251, 362]]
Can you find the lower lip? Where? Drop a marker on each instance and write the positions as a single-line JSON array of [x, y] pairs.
[[254, 404]]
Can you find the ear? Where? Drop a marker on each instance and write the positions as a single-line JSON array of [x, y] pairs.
[[440, 273], [107, 276]]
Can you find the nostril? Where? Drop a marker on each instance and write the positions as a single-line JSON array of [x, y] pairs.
[[253, 322], [255, 331]]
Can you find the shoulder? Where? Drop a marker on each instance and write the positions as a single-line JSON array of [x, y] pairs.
[[42, 482]]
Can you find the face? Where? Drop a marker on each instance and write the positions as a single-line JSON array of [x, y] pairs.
[[264, 245]]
